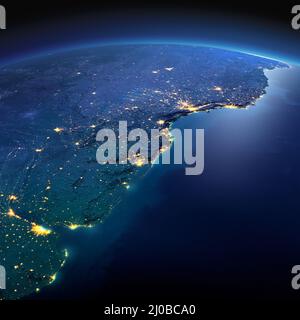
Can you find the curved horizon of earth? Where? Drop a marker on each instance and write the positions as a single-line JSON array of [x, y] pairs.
[[51, 110]]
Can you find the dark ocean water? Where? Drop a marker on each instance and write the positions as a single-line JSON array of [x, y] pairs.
[[232, 232]]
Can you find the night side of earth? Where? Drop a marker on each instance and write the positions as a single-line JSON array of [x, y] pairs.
[[51, 110]]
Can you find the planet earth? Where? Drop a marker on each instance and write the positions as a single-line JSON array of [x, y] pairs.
[[52, 107]]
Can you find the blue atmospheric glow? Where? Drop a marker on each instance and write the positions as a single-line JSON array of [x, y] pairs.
[[97, 43]]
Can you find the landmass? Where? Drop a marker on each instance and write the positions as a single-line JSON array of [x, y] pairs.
[[51, 110]]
